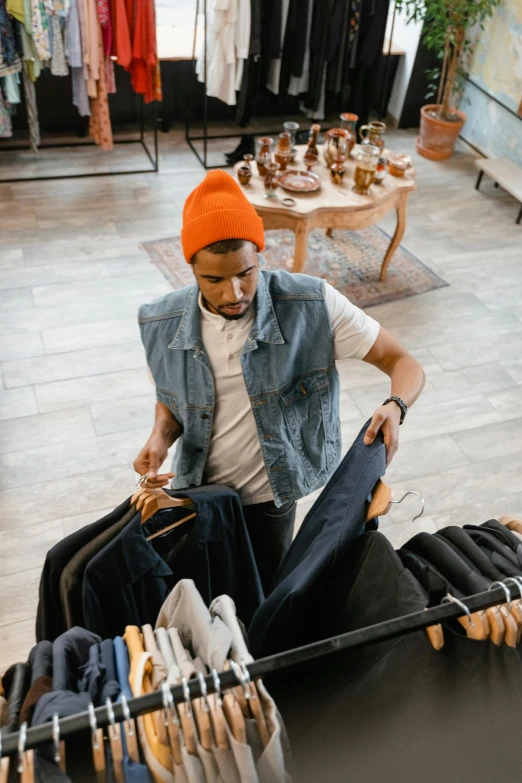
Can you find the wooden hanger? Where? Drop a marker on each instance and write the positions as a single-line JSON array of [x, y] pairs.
[[186, 716], [253, 703], [381, 501], [234, 714], [511, 522], [171, 527], [172, 724], [510, 629], [129, 730], [217, 715], [25, 757], [114, 732], [435, 634], [202, 713], [98, 749], [156, 500], [496, 625], [516, 605]]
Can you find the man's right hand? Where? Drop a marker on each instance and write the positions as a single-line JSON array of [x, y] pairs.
[[151, 458]]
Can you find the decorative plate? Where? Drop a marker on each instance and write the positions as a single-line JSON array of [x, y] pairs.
[[299, 181]]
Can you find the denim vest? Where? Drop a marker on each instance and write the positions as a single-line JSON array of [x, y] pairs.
[[289, 371]]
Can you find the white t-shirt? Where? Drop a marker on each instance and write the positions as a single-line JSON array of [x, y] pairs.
[[235, 457]]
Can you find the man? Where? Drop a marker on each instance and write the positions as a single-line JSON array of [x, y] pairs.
[[245, 375]]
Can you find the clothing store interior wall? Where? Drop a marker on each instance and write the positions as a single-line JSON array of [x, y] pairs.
[[260, 391]]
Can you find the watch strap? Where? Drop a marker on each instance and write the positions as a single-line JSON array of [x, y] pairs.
[[402, 405]]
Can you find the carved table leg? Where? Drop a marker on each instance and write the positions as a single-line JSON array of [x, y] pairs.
[[329, 232], [301, 246], [399, 233]]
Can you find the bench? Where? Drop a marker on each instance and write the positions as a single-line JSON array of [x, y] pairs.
[[504, 173]]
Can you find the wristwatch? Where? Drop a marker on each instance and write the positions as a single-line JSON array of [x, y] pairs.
[[402, 405]]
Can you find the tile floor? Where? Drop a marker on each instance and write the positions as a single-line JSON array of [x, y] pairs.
[[76, 404]]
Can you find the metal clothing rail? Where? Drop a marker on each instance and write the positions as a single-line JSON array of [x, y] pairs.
[[390, 629], [153, 158]]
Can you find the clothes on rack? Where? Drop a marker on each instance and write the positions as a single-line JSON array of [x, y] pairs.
[[113, 557], [385, 711], [188, 641], [328, 531], [80, 37]]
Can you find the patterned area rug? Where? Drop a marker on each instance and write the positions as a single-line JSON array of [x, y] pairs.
[[349, 260]]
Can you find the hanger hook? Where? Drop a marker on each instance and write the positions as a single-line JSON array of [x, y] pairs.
[[518, 582], [507, 593], [186, 695], [451, 599], [204, 692], [168, 705], [142, 480], [56, 737], [217, 686], [412, 492], [240, 675], [110, 712], [22, 739], [126, 714], [94, 726]]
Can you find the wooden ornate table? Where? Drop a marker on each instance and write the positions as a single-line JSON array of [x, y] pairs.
[[333, 206]]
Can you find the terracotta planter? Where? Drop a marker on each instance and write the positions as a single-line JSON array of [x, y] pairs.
[[437, 137]]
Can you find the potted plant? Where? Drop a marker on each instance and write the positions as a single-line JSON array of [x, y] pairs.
[[450, 28]]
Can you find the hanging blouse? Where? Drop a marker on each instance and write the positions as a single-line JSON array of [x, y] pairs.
[[6, 130], [100, 123]]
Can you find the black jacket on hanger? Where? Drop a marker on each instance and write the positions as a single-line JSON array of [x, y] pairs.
[[399, 710], [16, 683], [469, 549], [329, 531], [128, 581], [497, 542], [50, 621], [445, 560], [505, 533]]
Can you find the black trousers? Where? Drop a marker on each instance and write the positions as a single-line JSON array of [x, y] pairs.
[[271, 530]]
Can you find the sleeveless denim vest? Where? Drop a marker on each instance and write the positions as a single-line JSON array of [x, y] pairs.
[[289, 371]]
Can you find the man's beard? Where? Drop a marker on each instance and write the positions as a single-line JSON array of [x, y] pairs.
[[210, 307]]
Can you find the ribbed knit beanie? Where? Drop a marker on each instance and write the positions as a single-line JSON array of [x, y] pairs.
[[218, 209]]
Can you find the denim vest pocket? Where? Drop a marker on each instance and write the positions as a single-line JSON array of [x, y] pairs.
[[306, 403]]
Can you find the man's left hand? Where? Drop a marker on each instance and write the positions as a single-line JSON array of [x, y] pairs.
[[386, 418]]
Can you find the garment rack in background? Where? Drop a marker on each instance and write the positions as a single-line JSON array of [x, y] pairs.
[[154, 159], [151, 702], [206, 137]]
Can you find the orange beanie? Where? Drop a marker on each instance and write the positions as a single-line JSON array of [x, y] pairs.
[[217, 209]]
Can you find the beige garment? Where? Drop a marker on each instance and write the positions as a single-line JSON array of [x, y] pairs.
[[159, 669], [91, 54], [270, 761], [185, 610], [163, 642]]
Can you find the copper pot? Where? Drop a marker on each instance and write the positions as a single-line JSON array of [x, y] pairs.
[[283, 151], [335, 145]]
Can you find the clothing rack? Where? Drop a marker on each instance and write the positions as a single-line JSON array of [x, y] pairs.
[[151, 702], [206, 137], [154, 159]]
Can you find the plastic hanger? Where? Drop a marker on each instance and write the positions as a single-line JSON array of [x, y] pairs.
[[59, 745], [252, 697], [4, 764], [98, 750], [114, 732], [172, 724], [25, 757], [511, 522], [217, 716], [381, 501]]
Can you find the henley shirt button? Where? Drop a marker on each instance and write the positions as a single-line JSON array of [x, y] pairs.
[[229, 336], [204, 415], [231, 356]]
